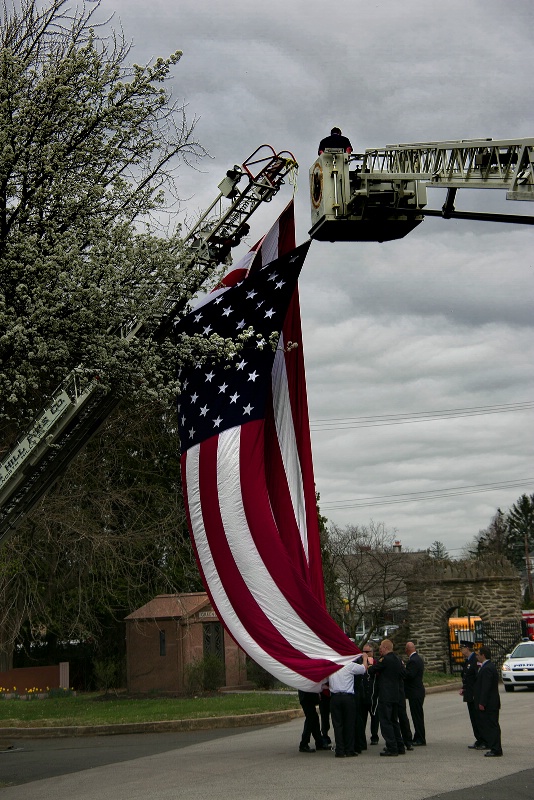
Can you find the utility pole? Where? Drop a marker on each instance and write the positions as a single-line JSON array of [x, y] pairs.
[[529, 571]]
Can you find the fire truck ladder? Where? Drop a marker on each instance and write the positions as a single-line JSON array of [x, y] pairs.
[[382, 193], [78, 408]]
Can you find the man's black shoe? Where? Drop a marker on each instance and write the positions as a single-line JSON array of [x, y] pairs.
[[305, 748], [340, 755], [388, 753], [351, 755], [418, 744], [409, 747], [374, 741], [492, 754], [322, 747], [478, 746]]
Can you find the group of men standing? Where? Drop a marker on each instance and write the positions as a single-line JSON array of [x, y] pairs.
[[396, 682], [368, 687], [379, 688]]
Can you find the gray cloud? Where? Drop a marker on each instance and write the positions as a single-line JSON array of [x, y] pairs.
[[441, 319]]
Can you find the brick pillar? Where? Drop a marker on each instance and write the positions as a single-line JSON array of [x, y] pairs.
[[64, 674]]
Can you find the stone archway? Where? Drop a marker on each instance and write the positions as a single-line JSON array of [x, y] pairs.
[[489, 588]]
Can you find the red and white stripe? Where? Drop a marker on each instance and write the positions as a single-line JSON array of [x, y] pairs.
[[250, 498]]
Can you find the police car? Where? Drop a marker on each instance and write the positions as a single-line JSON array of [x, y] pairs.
[[518, 667]]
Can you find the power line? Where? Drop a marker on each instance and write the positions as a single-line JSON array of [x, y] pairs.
[[432, 494], [378, 420]]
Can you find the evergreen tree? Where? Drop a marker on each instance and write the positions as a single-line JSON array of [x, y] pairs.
[[509, 534], [520, 530], [491, 539], [438, 551]]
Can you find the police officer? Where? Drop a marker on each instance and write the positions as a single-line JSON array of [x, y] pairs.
[[469, 676]]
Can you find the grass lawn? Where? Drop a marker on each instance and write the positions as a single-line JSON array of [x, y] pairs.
[[86, 709], [92, 709], [439, 678]]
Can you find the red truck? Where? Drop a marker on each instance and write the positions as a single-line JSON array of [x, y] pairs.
[[528, 624]]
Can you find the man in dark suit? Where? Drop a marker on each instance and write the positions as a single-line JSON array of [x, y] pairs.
[[488, 702], [404, 722], [469, 676], [415, 693], [389, 671], [309, 702]]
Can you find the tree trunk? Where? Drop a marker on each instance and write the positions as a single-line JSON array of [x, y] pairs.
[[6, 658]]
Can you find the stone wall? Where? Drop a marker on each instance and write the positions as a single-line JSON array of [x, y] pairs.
[[488, 588]]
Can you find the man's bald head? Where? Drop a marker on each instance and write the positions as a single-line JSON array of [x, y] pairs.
[[409, 648], [386, 646]]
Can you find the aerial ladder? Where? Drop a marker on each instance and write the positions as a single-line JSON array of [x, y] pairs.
[[79, 406], [381, 194]]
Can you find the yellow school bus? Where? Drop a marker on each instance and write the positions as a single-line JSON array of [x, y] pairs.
[[466, 628]]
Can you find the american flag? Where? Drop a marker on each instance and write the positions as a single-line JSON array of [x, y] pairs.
[[247, 470]]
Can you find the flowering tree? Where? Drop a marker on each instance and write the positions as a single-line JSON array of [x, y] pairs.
[[89, 148], [88, 152]]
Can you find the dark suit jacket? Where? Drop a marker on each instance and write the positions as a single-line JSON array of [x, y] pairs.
[[486, 690], [390, 672], [335, 140], [469, 676], [413, 684]]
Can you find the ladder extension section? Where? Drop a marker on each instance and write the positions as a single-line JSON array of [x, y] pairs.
[[79, 407], [381, 194], [470, 163]]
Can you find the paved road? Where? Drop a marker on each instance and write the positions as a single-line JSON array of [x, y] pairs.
[[264, 764], [35, 759]]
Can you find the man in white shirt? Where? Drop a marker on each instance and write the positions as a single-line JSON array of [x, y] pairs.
[[343, 706]]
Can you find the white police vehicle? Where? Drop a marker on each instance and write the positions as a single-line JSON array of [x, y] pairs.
[[518, 667]]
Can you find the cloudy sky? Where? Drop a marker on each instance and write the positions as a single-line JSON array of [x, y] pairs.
[[438, 322]]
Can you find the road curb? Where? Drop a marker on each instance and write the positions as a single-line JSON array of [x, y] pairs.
[[168, 726], [445, 687], [163, 726]]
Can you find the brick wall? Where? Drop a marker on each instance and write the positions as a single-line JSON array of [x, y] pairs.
[[152, 669], [25, 678]]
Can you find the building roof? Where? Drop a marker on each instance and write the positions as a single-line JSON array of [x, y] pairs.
[[171, 606]]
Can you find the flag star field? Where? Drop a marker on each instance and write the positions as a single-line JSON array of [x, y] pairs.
[[223, 393]]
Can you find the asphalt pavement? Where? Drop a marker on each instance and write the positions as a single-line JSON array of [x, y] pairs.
[[264, 763]]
